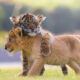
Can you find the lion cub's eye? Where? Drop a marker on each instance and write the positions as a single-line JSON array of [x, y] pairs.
[[10, 39]]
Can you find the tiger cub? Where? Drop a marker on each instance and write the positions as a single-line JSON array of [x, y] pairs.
[[31, 26]]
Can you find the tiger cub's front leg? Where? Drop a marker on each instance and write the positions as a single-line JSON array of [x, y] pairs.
[[42, 71], [45, 45], [24, 64], [64, 69]]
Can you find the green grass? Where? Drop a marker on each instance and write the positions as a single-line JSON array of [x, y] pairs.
[[50, 74]]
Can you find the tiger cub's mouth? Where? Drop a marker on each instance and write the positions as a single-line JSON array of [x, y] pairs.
[[32, 34]]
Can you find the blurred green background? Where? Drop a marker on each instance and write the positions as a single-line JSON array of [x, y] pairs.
[[63, 16]]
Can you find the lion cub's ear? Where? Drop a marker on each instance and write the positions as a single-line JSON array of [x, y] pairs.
[[19, 32], [40, 18]]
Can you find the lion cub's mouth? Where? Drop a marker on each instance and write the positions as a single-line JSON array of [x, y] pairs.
[[11, 52]]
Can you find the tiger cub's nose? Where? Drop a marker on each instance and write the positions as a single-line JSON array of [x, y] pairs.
[[32, 29]]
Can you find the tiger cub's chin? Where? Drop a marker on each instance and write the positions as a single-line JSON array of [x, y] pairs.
[[32, 34]]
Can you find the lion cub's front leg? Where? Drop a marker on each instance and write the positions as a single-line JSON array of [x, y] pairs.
[[24, 65], [36, 67]]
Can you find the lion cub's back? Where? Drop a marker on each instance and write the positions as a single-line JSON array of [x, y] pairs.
[[62, 48]]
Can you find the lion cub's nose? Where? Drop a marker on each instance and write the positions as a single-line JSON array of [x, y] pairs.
[[5, 47]]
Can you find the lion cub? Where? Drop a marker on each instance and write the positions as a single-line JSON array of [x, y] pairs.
[[65, 49]]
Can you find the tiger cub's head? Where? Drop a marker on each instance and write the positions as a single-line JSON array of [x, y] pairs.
[[29, 23]]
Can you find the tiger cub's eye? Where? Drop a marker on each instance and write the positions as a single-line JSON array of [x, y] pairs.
[[35, 23]]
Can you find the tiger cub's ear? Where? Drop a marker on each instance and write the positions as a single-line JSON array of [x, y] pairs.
[[40, 18], [14, 19]]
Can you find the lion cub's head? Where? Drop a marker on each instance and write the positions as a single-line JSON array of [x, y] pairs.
[[29, 23], [14, 40]]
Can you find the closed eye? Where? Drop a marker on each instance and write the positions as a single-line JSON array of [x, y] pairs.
[[10, 40]]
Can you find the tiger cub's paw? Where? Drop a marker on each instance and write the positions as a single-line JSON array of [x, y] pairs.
[[45, 48], [23, 73], [64, 70]]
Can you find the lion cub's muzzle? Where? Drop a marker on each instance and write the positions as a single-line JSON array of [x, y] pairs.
[[7, 48]]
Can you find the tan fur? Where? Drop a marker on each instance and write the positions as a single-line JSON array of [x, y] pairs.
[[12, 46], [64, 50]]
